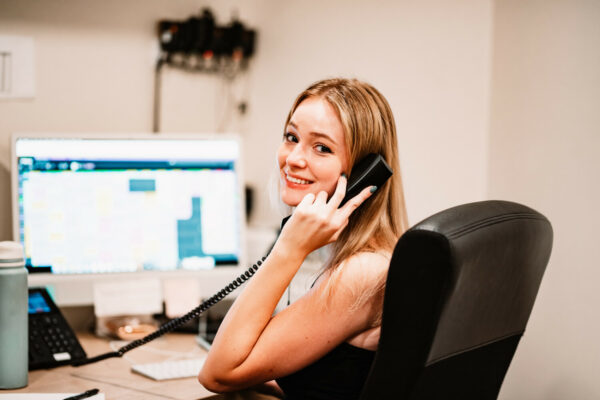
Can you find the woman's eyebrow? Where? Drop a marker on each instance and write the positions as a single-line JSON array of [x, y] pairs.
[[314, 133], [323, 136]]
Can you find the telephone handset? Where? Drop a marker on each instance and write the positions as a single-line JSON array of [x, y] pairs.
[[372, 170]]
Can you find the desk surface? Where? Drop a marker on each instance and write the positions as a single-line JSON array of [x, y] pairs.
[[113, 376]]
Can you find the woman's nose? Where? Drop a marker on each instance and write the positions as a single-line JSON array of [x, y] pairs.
[[297, 157]]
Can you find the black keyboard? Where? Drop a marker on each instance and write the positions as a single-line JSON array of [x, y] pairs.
[[52, 342]]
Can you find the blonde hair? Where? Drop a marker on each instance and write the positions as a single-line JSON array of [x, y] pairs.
[[368, 128]]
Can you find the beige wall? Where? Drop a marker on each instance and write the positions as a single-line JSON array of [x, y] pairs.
[[431, 59], [544, 148]]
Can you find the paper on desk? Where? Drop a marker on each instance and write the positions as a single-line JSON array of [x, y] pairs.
[[45, 396], [139, 297], [181, 295]]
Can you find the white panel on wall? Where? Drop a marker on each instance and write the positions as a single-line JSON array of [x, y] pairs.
[[16, 67]]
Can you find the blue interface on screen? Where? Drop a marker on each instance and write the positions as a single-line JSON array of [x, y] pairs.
[[37, 303], [126, 205]]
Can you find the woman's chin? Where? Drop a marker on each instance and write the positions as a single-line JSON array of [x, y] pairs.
[[291, 199], [290, 203]]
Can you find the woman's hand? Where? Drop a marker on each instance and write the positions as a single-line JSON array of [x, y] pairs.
[[317, 222]]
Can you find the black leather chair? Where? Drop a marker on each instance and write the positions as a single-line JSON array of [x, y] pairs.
[[459, 292]]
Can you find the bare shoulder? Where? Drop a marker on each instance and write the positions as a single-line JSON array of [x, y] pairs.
[[364, 270], [365, 264], [354, 289]]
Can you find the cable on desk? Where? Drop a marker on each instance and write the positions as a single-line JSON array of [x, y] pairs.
[[174, 323]]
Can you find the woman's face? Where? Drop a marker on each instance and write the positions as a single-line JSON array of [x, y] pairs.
[[313, 153]]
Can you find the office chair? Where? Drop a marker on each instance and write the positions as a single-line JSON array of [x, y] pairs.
[[460, 289]]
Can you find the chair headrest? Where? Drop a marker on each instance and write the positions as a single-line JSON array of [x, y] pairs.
[[497, 252]]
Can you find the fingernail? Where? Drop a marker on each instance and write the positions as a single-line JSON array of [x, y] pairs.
[[344, 175], [373, 189]]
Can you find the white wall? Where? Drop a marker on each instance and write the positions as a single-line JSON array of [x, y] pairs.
[[430, 59], [544, 148], [94, 62]]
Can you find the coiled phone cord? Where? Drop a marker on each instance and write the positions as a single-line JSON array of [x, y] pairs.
[[176, 322]]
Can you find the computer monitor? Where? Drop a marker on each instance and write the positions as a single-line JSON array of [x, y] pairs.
[[93, 208]]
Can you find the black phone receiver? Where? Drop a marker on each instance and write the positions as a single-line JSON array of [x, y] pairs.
[[372, 170]]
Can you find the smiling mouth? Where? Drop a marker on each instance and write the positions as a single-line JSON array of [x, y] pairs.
[[296, 180]]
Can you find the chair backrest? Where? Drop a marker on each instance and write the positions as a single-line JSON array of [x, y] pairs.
[[460, 289]]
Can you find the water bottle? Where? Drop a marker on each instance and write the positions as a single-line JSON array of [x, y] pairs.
[[13, 317]]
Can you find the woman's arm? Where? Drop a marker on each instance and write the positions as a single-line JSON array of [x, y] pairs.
[[252, 346], [302, 333]]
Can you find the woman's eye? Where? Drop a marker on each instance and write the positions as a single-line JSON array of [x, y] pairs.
[[290, 137], [321, 148]]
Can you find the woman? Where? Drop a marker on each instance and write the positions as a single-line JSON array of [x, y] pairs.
[[322, 345]]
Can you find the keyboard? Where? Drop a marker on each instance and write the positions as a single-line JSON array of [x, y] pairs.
[[164, 370]]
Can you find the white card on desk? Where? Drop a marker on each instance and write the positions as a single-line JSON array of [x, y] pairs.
[[139, 297], [46, 396], [181, 295]]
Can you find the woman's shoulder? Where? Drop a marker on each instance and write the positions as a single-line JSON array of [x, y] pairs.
[[367, 261], [364, 269]]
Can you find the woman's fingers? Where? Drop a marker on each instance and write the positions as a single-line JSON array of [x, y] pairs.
[[340, 192], [353, 203], [319, 221], [321, 198], [306, 201]]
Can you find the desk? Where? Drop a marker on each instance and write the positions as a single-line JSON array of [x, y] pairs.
[[113, 376]]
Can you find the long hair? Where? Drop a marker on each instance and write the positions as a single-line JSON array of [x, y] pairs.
[[368, 128]]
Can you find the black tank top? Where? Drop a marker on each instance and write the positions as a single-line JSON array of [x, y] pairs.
[[339, 375]]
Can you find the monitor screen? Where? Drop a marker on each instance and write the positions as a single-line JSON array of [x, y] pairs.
[[110, 205]]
